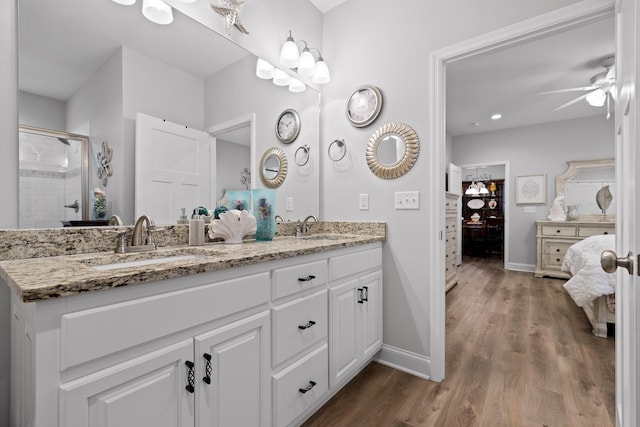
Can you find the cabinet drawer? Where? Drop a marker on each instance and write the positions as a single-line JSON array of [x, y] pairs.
[[290, 401], [450, 223], [119, 326], [289, 280], [346, 265], [451, 203], [553, 262], [554, 248], [559, 230], [298, 324], [594, 231]]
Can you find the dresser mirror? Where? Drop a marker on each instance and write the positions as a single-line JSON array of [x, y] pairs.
[[64, 43], [581, 182]]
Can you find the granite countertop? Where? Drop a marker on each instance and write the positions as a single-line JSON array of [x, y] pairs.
[[37, 279]]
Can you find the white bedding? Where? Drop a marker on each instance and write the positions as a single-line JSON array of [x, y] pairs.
[[582, 260]]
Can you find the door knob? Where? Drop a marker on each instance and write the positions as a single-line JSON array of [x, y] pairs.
[[610, 261]]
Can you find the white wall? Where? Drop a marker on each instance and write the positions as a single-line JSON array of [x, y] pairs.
[[235, 92], [393, 54], [533, 150], [41, 111]]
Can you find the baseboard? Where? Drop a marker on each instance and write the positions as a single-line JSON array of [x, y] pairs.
[[403, 360], [529, 268]]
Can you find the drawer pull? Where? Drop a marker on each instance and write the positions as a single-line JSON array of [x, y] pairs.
[[306, 279], [366, 293], [207, 368], [557, 259], [311, 385], [307, 326], [606, 232], [557, 231], [191, 377], [557, 250]]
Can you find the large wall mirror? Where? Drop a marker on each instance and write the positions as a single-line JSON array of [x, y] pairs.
[[74, 53], [581, 182]]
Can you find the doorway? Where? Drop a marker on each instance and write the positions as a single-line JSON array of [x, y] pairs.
[[556, 21]]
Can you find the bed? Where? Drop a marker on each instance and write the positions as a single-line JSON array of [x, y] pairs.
[[591, 287]]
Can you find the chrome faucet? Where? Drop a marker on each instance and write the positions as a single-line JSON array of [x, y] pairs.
[[136, 237], [303, 230]]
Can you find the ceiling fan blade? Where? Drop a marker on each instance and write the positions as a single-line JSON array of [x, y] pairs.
[[573, 89], [573, 101]]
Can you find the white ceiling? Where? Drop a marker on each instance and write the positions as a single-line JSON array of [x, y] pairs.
[[508, 80], [326, 5], [63, 42]]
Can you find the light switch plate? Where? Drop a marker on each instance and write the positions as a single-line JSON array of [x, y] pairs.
[[529, 209], [363, 202], [407, 200], [289, 204]]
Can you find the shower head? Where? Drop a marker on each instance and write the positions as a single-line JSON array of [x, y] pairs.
[[65, 141]]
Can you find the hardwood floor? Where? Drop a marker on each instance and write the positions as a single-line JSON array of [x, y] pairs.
[[519, 353]]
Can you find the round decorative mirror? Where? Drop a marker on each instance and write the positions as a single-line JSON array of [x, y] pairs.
[[392, 150], [273, 167]]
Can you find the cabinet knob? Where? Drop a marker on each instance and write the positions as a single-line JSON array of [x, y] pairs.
[[307, 326], [306, 279], [207, 368], [311, 385], [191, 377]]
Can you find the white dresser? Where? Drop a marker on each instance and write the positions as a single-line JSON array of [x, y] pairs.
[[554, 238], [451, 238]]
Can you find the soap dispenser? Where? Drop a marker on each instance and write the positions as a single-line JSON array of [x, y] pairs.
[[183, 217], [196, 230]]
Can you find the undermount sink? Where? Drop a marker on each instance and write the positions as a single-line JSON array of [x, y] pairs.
[[323, 237], [143, 262], [118, 261]]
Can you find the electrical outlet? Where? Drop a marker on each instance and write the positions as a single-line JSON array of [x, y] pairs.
[[407, 200], [289, 204], [363, 202]]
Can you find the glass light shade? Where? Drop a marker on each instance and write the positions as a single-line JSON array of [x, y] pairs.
[[280, 78], [321, 75], [472, 189], [289, 54], [306, 64], [296, 86], [597, 98], [125, 2], [482, 189], [157, 11], [264, 70]]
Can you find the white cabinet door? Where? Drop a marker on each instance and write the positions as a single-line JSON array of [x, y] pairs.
[[371, 312], [148, 391], [238, 390], [344, 318]]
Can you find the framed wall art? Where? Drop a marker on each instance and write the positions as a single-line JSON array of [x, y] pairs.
[[531, 189]]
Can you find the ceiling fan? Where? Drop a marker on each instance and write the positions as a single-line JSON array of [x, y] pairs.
[[601, 90]]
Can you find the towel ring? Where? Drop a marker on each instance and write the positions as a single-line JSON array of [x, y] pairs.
[[301, 161], [339, 151]]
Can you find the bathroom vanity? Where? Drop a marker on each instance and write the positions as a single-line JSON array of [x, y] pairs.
[[256, 334]]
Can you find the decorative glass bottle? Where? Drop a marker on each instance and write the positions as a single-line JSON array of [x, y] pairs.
[[264, 211], [240, 200]]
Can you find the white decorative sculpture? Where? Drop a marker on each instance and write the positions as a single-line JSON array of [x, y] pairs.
[[556, 213], [232, 226]]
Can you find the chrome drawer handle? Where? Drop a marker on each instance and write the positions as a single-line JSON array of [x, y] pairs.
[[311, 385], [306, 279], [307, 326]]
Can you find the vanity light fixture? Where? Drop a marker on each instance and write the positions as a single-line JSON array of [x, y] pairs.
[[304, 61], [157, 11], [280, 78], [296, 86], [264, 70]]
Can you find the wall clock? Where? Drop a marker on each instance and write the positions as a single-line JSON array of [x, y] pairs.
[[288, 126], [364, 105]]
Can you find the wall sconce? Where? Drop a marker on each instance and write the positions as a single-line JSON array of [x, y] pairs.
[[306, 64]]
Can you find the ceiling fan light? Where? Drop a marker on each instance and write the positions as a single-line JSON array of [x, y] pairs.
[[157, 12], [596, 98]]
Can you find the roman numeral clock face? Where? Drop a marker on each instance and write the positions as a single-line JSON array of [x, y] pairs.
[[288, 126]]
